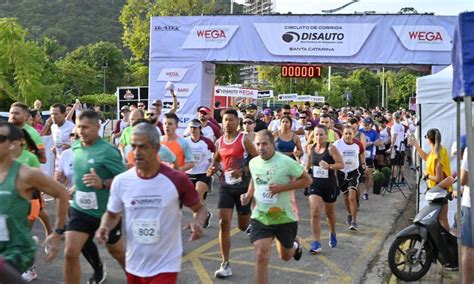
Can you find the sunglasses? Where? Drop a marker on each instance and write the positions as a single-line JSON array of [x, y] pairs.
[[248, 122], [141, 105], [150, 114], [157, 105], [286, 113], [303, 117], [426, 136], [3, 138]]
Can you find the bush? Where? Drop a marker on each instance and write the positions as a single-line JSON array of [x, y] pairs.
[[379, 179], [387, 172]]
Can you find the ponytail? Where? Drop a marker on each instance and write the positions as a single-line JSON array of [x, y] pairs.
[[437, 142]]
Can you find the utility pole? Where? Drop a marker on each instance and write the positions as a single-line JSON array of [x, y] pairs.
[[104, 67]]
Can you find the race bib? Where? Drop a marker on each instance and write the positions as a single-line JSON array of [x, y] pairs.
[[86, 200], [197, 157], [349, 162], [231, 180], [382, 147], [146, 231], [368, 154], [4, 235], [319, 172], [265, 196]]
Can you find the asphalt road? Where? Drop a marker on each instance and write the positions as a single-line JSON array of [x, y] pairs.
[[347, 263]]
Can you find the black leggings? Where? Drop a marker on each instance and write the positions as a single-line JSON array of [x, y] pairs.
[[91, 253]]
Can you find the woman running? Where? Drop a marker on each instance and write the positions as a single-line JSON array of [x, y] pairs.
[[286, 141]]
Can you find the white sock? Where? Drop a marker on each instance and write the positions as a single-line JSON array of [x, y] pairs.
[[295, 245]]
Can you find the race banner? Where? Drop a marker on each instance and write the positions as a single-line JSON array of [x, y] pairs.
[[429, 38], [308, 98], [265, 94], [236, 92]]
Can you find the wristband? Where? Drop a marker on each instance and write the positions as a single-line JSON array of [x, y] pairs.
[[59, 231]]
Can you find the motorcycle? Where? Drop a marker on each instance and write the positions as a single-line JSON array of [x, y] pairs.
[[424, 242]]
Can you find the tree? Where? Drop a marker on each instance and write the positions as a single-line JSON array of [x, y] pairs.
[[22, 64], [136, 14]]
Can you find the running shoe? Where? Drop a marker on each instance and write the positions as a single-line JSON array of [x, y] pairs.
[[332, 240], [298, 251], [349, 220], [30, 274], [224, 271], [365, 196], [208, 220], [354, 226], [315, 247], [98, 276]]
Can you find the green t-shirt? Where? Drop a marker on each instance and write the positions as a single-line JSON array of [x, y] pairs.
[[126, 137], [107, 163], [281, 208], [34, 136], [29, 159]]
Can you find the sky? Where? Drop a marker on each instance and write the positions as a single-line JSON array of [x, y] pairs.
[[439, 7]]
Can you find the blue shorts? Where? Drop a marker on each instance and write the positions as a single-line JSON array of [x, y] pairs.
[[466, 230]]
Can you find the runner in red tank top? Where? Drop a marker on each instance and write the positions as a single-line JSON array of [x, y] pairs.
[[231, 153]]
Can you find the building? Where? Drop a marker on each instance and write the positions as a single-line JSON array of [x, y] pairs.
[[249, 73]]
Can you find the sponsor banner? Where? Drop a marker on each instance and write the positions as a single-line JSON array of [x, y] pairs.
[[429, 38], [314, 39], [308, 98], [172, 74], [182, 90], [287, 97], [209, 37], [265, 94], [235, 92]]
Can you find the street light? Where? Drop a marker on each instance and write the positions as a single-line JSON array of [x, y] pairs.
[[330, 11], [104, 67]]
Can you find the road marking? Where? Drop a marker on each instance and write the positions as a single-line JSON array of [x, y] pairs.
[[201, 271], [231, 251], [198, 251], [371, 245]]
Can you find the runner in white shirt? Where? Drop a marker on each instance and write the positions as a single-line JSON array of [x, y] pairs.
[[353, 156], [202, 148], [149, 195], [295, 126]]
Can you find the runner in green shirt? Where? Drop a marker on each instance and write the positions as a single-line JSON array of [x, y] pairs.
[[274, 178], [95, 164]]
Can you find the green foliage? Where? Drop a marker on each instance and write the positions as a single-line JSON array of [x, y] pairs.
[[227, 74], [378, 177], [386, 171], [99, 99], [136, 74], [71, 22]]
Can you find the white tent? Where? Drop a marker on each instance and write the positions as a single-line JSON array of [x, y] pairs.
[[438, 110]]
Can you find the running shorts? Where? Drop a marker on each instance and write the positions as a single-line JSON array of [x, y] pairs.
[[351, 180], [284, 233], [228, 197]]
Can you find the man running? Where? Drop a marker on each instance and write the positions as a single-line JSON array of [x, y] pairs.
[[149, 195], [352, 155], [231, 149], [372, 140], [274, 215], [17, 247], [178, 145], [95, 164]]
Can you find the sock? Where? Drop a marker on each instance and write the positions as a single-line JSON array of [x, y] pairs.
[[296, 245]]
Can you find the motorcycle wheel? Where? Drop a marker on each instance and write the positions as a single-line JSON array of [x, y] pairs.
[[402, 258]]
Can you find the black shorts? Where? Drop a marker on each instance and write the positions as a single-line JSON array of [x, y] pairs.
[[384, 151], [202, 178], [370, 163], [228, 197], [398, 160], [350, 181], [327, 192], [81, 222], [284, 233]]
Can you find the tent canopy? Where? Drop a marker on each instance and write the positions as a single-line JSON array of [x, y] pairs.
[[463, 56], [435, 88]]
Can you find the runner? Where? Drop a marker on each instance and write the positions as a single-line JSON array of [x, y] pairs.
[[326, 120], [149, 195], [126, 137], [324, 160], [295, 125], [19, 116], [275, 176], [202, 149], [248, 127], [177, 145], [231, 148], [372, 141], [353, 156], [95, 164], [61, 129], [17, 247], [286, 141]]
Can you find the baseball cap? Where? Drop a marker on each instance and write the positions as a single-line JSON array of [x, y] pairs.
[[367, 121], [124, 108], [396, 115], [204, 109], [251, 106], [267, 111], [156, 102], [195, 123]]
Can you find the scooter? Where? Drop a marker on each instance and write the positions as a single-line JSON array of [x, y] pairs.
[[424, 242]]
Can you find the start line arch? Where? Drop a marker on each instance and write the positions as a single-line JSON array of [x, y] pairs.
[[184, 50]]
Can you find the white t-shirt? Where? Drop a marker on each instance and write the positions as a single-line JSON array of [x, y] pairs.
[[152, 213], [466, 198], [61, 134], [350, 154], [65, 166], [399, 130], [206, 132], [277, 125], [202, 152]]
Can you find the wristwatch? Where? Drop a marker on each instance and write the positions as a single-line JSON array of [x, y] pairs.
[[59, 231]]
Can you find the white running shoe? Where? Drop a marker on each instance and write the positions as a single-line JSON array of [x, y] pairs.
[[224, 271], [30, 274]]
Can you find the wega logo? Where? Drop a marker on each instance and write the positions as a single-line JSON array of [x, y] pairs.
[[432, 38], [209, 37], [172, 74]]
